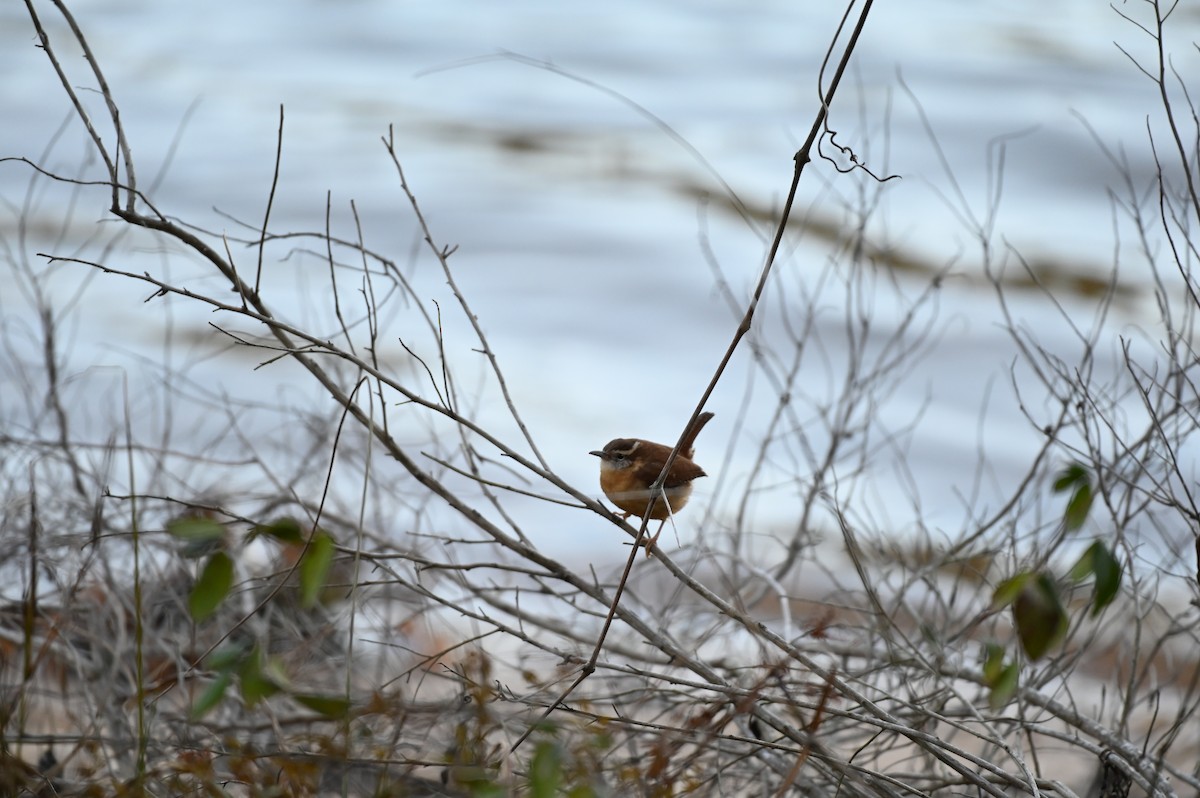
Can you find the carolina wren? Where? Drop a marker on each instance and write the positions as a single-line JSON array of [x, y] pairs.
[[630, 466]]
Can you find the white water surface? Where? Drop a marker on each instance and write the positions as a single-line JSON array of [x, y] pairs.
[[579, 248]]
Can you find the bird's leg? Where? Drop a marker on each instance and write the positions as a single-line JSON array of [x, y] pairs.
[[653, 540], [670, 513]]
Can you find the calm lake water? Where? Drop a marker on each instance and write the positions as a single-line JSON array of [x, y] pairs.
[[581, 230]]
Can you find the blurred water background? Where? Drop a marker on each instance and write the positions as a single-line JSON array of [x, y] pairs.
[[582, 225]]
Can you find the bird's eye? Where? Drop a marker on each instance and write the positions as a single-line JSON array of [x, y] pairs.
[[618, 455]]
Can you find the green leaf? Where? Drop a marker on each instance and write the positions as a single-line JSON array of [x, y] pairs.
[[314, 568], [277, 673], [1078, 508], [331, 706], [1108, 576], [1076, 478], [212, 695], [255, 682], [195, 528], [1004, 686], [226, 657], [1008, 590], [285, 530], [1040, 617], [199, 549], [999, 676], [1072, 476], [1085, 566], [1098, 561], [211, 588], [545, 770], [993, 662], [582, 791]]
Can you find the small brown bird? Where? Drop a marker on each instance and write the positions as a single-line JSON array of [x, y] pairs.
[[629, 466]]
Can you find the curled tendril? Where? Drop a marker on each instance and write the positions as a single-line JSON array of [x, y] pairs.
[[846, 153]]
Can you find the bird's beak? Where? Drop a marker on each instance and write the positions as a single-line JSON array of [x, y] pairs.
[[598, 454]]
